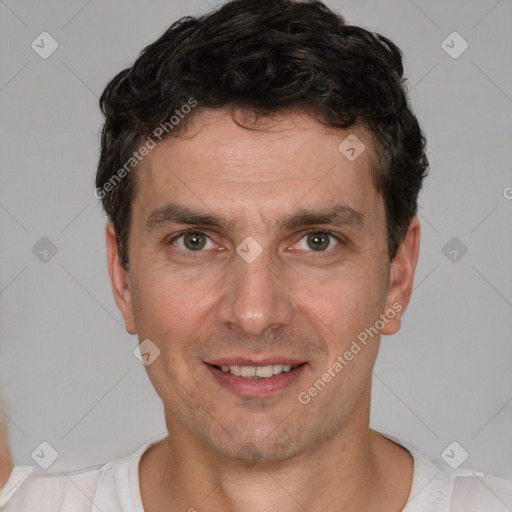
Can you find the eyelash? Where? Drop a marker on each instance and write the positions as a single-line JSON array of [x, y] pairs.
[[310, 231]]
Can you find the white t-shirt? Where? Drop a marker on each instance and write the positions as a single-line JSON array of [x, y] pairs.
[[114, 487]]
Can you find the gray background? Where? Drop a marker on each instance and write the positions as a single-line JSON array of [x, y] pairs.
[[68, 375]]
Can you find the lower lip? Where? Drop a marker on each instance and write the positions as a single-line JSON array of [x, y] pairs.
[[256, 387]]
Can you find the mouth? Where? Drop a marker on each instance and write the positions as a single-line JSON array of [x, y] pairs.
[[256, 379], [257, 372]]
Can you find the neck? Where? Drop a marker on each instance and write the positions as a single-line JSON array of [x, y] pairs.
[[358, 469]]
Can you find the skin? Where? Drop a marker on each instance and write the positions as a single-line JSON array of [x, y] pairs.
[[231, 452]]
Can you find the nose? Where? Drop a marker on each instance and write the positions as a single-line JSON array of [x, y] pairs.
[[255, 297]]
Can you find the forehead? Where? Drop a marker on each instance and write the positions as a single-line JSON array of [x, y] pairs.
[[284, 161]]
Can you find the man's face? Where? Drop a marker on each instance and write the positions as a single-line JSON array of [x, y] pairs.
[[302, 301]]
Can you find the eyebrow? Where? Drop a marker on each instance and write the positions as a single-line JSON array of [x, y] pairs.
[[339, 215]]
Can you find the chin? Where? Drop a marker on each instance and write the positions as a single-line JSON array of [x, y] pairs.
[[253, 446]]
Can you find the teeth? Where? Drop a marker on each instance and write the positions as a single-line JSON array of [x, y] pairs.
[[247, 371], [277, 369], [261, 372], [264, 371]]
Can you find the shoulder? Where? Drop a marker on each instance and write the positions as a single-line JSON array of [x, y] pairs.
[[438, 486], [112, 486], [477, 492], [27, 490]]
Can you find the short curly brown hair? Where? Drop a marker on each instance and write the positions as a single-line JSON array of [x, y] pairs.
[[267, 56]]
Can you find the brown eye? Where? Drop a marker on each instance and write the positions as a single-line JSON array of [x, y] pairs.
[[318, 241], [194, 241]]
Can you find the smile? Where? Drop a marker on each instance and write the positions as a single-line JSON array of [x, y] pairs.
[[258, 372], [257, 380]]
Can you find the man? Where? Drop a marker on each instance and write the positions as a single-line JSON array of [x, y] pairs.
[[260, 168]]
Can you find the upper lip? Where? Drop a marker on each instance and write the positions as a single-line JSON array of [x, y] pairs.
[[245, 361]]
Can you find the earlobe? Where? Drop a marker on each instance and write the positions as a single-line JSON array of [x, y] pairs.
[[401, 277], [119, 279]]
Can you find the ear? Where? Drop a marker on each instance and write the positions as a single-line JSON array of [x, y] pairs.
[[401, 277], [119, 279]]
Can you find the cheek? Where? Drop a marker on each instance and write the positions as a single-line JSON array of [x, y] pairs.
[[170, 304], [343, 301]]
